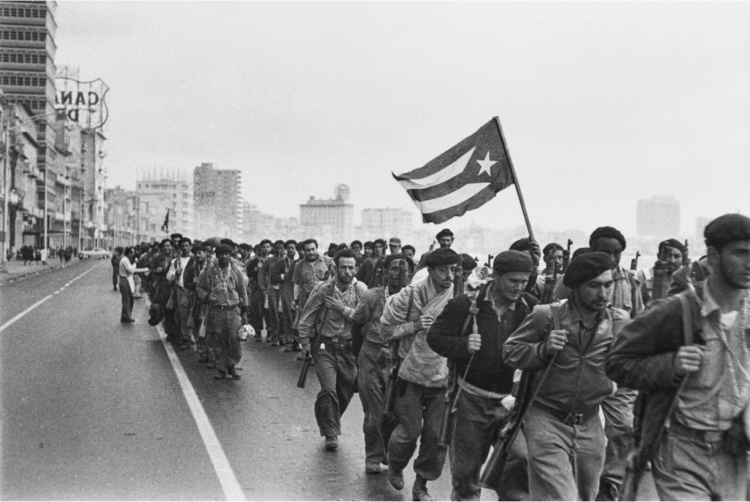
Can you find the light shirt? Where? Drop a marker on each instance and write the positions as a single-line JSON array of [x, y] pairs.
[[173, 272], [720, 390]]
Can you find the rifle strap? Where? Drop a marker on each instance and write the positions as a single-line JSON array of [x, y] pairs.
[[687, 333]]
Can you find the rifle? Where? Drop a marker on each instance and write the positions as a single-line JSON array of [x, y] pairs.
[[493, 471], [566, 257], [634, 261], [458, 281], [389, 401], [454, 389], [638, 458], [489, 260], [432, 246], [686, 255], [314, 340]]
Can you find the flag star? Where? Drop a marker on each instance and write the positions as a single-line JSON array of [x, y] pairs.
[[486, 164]]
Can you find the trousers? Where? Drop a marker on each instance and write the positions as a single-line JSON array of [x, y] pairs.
[[419, 410], [274, 327], [337, 373], [372, 379], [565, 461], [618, 420], [476, 424], [257, 312], [690, 469], [184, 331], [222, 327], [127, 300], [291, 335]]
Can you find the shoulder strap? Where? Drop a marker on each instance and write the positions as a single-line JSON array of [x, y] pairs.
[[687, 318], [410, 305], [555, 310]]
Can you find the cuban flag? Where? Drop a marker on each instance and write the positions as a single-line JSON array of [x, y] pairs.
[[461, 179]]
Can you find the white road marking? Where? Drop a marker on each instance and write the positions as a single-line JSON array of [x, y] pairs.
[[9, 323], [227, 478]]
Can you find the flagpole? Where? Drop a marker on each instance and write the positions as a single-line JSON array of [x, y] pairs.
[[515, 178]]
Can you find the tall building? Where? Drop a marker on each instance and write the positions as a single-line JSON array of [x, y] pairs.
[[257, 225], [328, 220], [386, 223], [658, 217], [27, 75], [218, 205], [120, 217], [158, 192]]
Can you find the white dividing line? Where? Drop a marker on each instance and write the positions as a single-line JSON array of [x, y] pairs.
[[229, 483], [9, 323]]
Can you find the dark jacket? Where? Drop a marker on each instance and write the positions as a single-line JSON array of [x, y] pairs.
[[642, 357], [577, 381], [488, 371]]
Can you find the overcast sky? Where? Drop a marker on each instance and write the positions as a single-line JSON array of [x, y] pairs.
[[602, 104]]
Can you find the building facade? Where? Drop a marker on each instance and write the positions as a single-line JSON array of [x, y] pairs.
[[386, 223], [120, 217], [219, 210], [328, 220], [159, 193], [658, 216], [27, 76]]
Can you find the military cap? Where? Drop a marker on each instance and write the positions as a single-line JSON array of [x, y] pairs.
[[523, 244], [223, 248], [175, 236], [727, 228], [672, 243], [468, 262], [551, 246], [512, 261], [390, 258], [442, 256], [444, 233], [606, 232], [586, 267], [395, 240]]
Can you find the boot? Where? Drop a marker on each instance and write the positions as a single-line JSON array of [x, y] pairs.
[[419, 490]]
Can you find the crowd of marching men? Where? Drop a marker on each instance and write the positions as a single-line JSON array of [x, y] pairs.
[[579, 376]]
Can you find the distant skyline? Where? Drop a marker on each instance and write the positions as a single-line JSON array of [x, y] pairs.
[[602, 104]]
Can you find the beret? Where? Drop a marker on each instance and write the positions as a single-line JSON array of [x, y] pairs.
[[213, 241], [444, 233], [222, 248], [175, 236], [228, 242], [523, 244], [512, 261], [442, 256], [672, 243], [468, 262], [394, 240], [549, 247], [409, 246], [578, 252], [609, 232], [586, 267], [727, 228], [390, 258], [199, 247]]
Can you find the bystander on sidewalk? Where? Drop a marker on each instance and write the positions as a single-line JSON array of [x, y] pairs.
[[14, 270]]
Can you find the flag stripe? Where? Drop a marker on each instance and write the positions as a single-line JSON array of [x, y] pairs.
[[441, 176], [472, 203], [451, 199]]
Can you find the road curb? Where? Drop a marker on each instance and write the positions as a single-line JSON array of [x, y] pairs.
[[7, 279]]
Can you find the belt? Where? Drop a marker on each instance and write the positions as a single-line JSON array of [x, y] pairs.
[[569, 418], [696, 434], [225, 307], [337, 341]]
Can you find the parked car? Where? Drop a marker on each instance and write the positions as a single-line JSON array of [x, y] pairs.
[[95, 253]]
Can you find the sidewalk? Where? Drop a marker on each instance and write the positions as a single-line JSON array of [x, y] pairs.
[[15, 269]]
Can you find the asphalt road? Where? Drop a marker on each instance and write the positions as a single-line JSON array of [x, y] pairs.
[[96, 409]]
